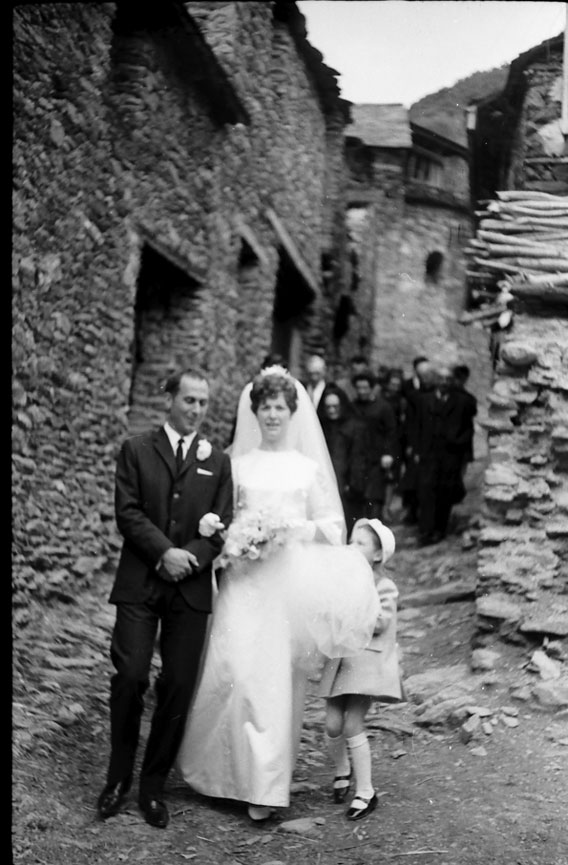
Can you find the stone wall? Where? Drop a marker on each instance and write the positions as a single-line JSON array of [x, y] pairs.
[[142, 240], [523, 559], [539, 145], [456, 177], [413, 311]]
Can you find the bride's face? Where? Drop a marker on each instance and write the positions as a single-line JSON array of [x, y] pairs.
[[273, 417]]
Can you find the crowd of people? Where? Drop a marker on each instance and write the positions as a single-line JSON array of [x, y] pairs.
[[257, 566], [396, 438]]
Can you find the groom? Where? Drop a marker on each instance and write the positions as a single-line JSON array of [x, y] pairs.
[[166, 481]]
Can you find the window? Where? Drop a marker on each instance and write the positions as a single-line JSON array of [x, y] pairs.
[[424, 169], [434, 263]]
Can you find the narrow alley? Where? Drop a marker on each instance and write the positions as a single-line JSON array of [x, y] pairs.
[[471, 770]]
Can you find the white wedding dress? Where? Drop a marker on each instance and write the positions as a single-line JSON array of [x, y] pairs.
[[273, 619]]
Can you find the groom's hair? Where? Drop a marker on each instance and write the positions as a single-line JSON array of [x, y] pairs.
[[173, 382]]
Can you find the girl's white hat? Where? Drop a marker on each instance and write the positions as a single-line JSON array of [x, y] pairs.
[[385, 536]]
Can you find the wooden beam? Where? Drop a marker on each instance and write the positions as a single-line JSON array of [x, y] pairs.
[[249, 237], [293, 252], [555, 293], [174, 256]]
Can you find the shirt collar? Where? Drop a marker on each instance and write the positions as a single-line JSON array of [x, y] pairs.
[[174, 438]]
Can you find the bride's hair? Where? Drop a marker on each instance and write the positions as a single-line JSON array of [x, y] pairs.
[[268, 385]]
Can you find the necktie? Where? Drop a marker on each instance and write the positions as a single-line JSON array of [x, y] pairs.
[[179, 456]]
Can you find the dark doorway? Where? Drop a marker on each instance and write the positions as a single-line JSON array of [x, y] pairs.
[[166, 333], [291, 306], [251, 296]]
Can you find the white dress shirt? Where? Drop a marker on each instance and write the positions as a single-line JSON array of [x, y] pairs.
[[174, 438]]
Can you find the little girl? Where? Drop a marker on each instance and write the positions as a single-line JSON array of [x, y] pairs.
[[351, 684]]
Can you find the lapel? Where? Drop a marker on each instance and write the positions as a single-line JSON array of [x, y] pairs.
[[162, 444], [164, 448]]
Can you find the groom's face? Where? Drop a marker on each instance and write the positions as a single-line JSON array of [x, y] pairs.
[[187, 408]]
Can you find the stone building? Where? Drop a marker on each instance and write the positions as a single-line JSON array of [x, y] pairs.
[[520, 166], [178, 200], [516, 137], [409, 218]]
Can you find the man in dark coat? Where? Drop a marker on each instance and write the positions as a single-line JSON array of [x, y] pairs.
[[442, 433], [167, 481], [347, 442], [460, 378], [380, 421], [411, 389]]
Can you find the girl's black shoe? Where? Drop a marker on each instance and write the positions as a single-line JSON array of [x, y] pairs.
[[359, 813], [341, 785]]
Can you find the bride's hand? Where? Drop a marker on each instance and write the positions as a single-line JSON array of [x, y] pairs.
[[209, 524]]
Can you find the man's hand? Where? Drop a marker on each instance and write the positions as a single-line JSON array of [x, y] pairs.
[[386, 461], [177, 564]]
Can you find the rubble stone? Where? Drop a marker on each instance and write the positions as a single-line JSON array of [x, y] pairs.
[[518, 354], [484, 659], [552, 694]]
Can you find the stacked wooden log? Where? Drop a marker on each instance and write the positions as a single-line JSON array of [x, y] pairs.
[[520, 250]]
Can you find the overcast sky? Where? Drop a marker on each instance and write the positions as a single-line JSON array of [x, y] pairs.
[[400, 50]]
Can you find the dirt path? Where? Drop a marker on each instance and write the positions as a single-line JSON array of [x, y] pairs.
[[500, 798]]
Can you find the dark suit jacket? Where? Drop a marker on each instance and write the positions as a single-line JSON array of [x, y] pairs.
[[443, 427], [348, 445], [156, 510], [379, 418], [470, 410]]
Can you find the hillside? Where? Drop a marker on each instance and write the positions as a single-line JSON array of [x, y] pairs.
[[443, 112]]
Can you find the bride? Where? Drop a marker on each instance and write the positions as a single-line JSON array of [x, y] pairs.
[[291, 592]]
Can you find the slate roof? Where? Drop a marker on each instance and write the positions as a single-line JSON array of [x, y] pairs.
[[380, 125]]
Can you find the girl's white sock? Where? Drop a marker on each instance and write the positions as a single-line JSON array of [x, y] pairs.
[[360, 753], [337, 750]]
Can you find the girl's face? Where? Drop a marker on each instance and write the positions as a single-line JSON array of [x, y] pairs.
[[364, 540], [273, 415]]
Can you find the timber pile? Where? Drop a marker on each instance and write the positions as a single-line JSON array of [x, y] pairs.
[[520, 250]]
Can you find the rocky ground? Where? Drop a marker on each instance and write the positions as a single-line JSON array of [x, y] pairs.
[[472, 770]]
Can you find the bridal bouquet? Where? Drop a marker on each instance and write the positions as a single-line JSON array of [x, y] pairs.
[[255, 534]]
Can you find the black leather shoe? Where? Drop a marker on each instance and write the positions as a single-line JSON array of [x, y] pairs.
[[359, 813], [155, 812], [341, 784], [111, 799]]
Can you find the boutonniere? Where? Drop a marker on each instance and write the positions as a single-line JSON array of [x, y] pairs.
[[204, 449]]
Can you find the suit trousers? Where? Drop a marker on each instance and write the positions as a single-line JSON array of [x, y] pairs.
[[437, 477], [181, 638]]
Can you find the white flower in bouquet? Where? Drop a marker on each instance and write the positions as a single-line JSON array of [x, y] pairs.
[[248, 533], [255, 535]]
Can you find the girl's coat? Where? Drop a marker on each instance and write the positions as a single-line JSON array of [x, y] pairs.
[[375, 671]]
